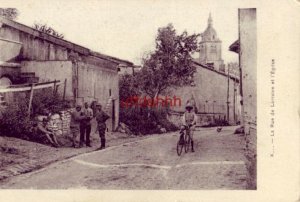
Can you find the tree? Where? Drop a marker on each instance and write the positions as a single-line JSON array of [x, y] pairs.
[[9, 13], [171, 64], [48, 30], [129, 87]]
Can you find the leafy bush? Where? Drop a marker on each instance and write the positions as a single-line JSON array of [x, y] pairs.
[[15, 120], [140, 119], [46, 99], [169, 126], [146, 120]]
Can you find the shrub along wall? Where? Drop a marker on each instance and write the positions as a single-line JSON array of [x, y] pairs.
[[141, 120], [15, 121]]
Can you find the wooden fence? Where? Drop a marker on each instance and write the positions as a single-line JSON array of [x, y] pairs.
[[31, 87]]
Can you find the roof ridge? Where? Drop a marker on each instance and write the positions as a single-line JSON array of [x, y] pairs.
[[218, 72], [58, 41]]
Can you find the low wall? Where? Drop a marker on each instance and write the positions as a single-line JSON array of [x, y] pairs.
[[204, 119], [61, 123], [65, 120]]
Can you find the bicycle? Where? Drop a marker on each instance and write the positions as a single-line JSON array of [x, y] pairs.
[[184, 141]]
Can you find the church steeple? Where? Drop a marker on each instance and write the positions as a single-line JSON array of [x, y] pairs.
[[210, 21], [210, 33], [211, 47]]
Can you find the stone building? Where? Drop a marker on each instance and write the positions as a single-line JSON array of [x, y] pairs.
[[29, 56], [246, 47], [215, 95], [211, 48], [214, 91]]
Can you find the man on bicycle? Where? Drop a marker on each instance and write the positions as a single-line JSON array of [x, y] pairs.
[[189, 120]]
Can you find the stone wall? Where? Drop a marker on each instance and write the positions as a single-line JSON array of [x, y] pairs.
[[248, 63], [210, 94], [61, 122], [202, 119], [65, 120]]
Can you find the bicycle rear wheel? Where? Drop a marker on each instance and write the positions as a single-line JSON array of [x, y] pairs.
[[187, 142], [180, 145]]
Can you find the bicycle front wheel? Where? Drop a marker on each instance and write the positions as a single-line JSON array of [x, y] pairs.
[[187, 142]]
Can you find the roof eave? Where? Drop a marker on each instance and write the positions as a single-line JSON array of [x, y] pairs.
[[235, 46], [58, 41], [110, 58], [213, 70]]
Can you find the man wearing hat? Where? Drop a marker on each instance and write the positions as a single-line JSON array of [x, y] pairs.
[[76, 118], [42, 127], [101, 118], [189, 119], [86, 126]]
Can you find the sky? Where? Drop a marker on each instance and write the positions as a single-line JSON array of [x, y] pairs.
[[127, 29]]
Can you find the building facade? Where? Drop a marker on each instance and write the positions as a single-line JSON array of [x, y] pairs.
[[215, 95], [246, 47], [31, 56]]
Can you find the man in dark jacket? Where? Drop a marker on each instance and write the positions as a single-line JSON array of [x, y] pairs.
[[101, 118]]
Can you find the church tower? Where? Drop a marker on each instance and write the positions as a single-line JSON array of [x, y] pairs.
[[211, 48]]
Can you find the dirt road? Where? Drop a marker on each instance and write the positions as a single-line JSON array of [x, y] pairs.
[[152, 163]]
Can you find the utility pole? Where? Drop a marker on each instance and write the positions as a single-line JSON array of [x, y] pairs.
[[241, 74], [228, 94]]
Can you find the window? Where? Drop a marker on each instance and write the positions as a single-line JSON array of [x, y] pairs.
[[213, 49], [211, 65]]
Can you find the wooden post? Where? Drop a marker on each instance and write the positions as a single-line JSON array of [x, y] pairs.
[[65, 87], [54, 87], [234, 100], [30, 99], [227, 95]]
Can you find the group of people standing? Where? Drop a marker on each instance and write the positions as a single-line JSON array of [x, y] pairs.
[[81, 119], [81, 123]]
